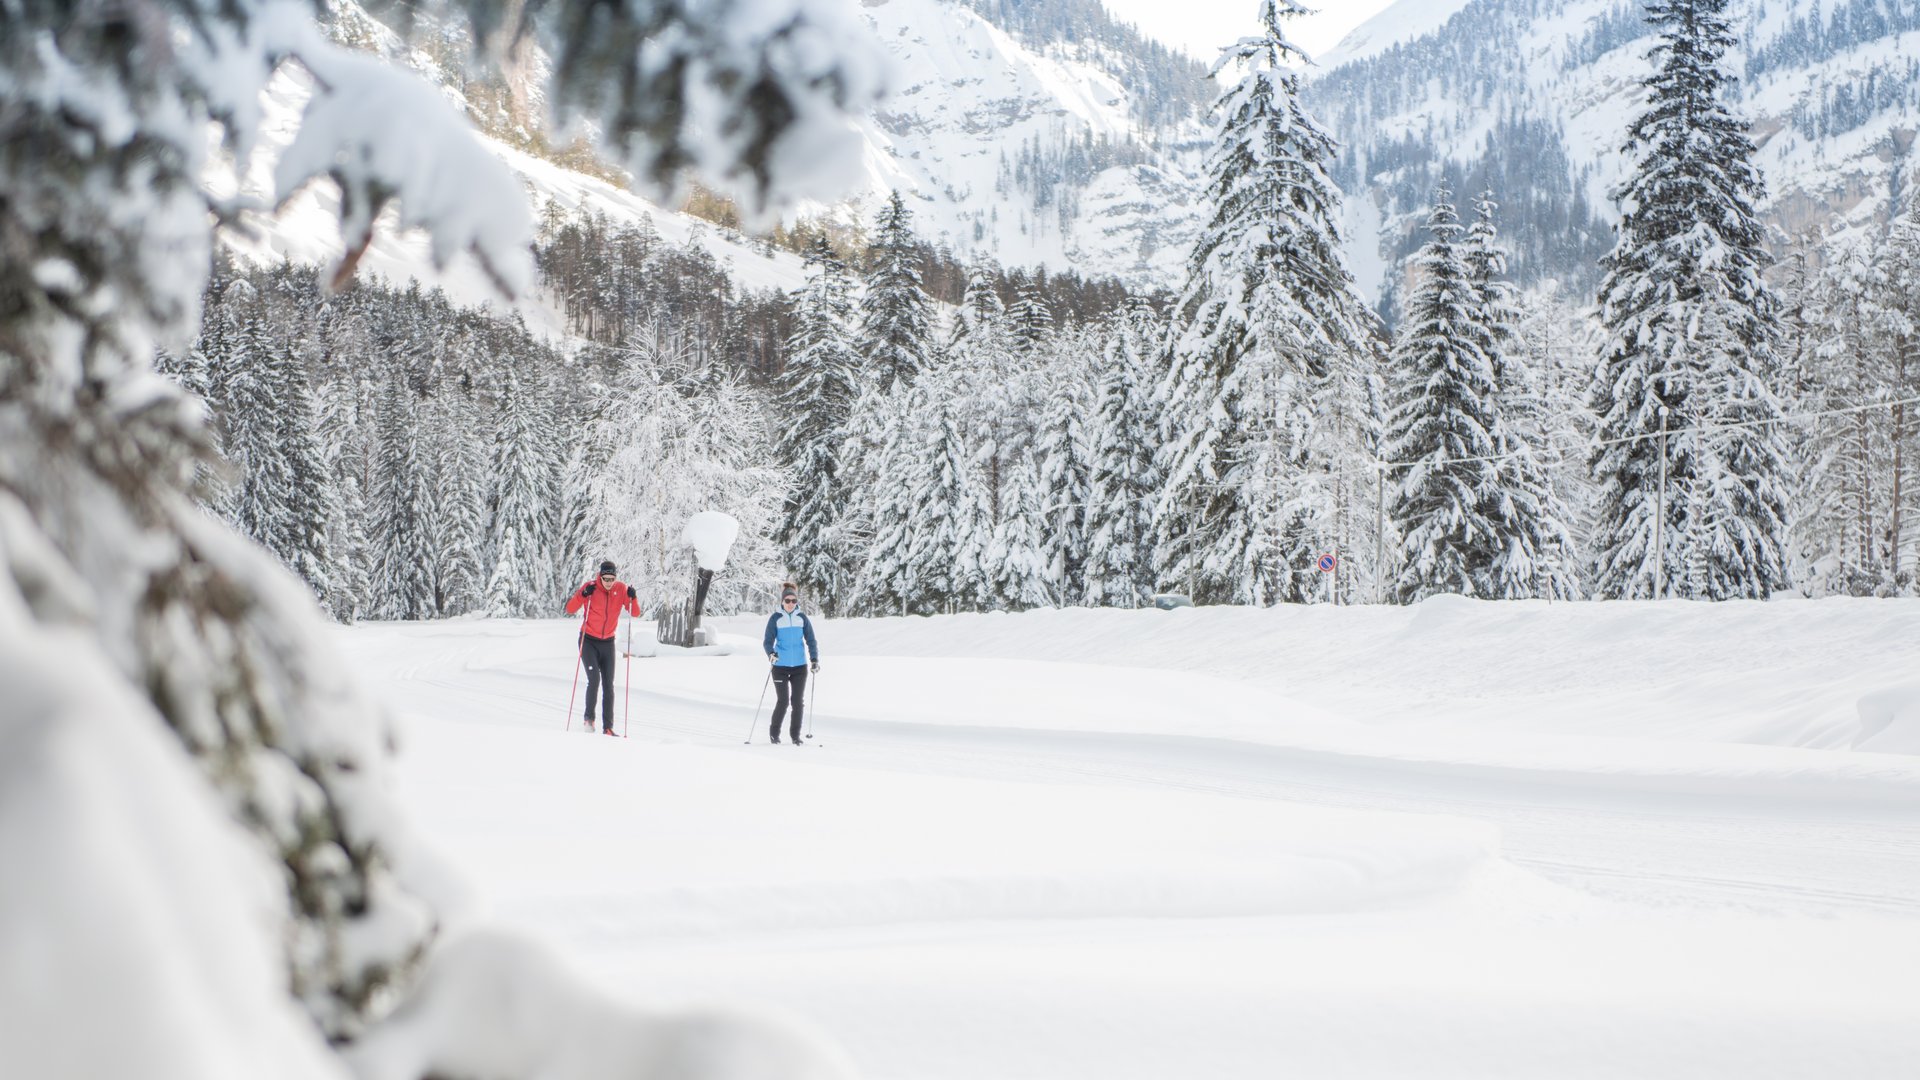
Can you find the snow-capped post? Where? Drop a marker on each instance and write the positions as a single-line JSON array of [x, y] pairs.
[[711, 535]]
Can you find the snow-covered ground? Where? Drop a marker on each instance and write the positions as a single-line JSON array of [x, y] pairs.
[[1462, 839]]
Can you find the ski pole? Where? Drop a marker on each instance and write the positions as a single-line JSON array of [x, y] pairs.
[[763, 702], [626, 710], [579, 661], [813, 698]]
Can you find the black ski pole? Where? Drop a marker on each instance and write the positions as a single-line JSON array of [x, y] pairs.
[[763, 702], [813, 699]]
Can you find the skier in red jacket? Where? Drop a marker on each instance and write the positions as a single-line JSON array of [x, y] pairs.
[[604, 599]]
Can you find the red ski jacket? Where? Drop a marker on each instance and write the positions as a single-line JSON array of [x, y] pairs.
[[603, 607]]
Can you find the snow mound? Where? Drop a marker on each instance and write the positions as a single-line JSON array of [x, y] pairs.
[[494, 1004], [1890, 720]]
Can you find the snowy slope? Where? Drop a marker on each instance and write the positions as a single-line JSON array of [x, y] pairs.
[[971, 97], [1098, 844], [306, 229], [1402, 21]]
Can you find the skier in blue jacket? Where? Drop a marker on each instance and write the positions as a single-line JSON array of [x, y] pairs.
[[792, 651]]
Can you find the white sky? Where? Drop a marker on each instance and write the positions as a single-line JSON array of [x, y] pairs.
[[1201, 27]]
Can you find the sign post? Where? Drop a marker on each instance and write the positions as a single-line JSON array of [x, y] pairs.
[[1328, 563]]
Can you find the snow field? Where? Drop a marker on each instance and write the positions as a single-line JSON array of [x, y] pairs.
[[1103, 844]]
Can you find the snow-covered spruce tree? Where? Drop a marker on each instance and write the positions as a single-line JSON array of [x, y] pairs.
[[133, 622], [1899, 262], [896, 471], [981, 312], [1267, 309], [1691, 329], [1064, 454], [1015, 561], [989, 393], [953, 524], [1849, 461], [457, 524], [313, 503], [897, 342], [811, 427], [404, 509], [1443, 426], [685, 437], [1560, 342], [1123, 481], [262, 478], [895, 339], [1536, 556], [352, 579], [1030, 318], [521, 582]]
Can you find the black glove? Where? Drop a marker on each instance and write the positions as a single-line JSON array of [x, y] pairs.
[[816, 667], [587, 589], [633, 592]]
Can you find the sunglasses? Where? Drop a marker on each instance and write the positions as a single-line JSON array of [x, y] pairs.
[[606, 577], [789, 600]]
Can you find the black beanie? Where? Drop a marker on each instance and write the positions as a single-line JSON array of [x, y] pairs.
[[607, 567]]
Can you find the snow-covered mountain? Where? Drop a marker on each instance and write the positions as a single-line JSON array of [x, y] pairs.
[[1064, 153], [1071, 144], [1533, 98]]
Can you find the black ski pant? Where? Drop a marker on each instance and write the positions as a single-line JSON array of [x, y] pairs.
[[597, 655], [783, 678]]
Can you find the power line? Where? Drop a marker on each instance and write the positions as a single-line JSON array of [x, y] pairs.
[[1693, 429]]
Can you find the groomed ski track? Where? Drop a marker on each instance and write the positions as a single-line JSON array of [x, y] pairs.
[[1645, 869]]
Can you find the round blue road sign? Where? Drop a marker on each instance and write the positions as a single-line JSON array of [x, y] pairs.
[[1327, 563]]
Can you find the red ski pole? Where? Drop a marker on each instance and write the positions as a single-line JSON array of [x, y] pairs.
[[579, 660]]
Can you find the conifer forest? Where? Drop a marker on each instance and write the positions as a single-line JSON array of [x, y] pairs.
[[911, 432]]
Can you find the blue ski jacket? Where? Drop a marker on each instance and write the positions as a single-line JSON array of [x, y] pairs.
[[790, 637]]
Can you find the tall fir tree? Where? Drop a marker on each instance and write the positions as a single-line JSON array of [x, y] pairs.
[[1899, 261], [403, 509], [895, 340], [1691, 339], [1123, 481], [1015, 561], [1267, 311], [457, 529], [816, 397], [1444, 430], [891, 580], [313, 502], [954, 524], [1536, 552], [1064, 451], [263, 478], [521, 581]]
